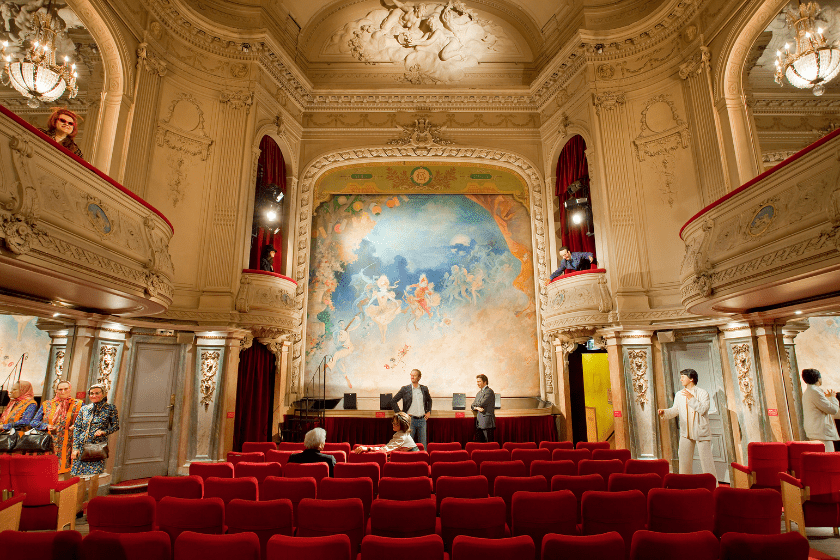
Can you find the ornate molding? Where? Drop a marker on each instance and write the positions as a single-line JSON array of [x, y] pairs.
[[662, 141], [696, 64], [150, 61], [741, 354], [107, 361], [195, 142], [18, 232], [422, 134], [238, 99], [209, 369], [638, 371], [608, 101]]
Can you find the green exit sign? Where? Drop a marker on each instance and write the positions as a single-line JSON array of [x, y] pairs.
[[361, 176], [481, 176]]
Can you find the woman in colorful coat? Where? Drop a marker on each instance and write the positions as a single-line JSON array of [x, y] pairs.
[[58, 416], [95, 423], [21, 409]]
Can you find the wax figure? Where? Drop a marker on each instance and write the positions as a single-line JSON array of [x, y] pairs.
[[62, 128], [417, 403], [819, 407], [485, 407], [58, 416], [96, 421], [692, 406], [314, 441], [267, 258], [402, 441], [21, 408], [572, 262]]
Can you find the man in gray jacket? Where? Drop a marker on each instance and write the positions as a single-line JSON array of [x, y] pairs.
[[692, 406], [485, 407], [819, 408]]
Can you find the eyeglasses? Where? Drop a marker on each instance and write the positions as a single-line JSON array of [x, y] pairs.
[[65, 121]]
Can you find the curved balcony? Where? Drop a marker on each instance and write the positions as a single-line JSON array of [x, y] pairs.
[[69, 234], [266, 303], [577, 300], [770, 246]]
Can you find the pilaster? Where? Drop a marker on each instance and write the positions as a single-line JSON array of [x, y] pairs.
[[641, 416], [562, 395], [773, 369], [792, 375], [620, 402]]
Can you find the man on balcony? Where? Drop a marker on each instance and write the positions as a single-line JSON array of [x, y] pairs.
[[573, 262]]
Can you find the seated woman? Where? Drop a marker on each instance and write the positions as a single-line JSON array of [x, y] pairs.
[[400, 442], [314, 441], [62, 128]]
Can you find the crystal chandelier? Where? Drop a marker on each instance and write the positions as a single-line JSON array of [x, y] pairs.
[[815, 62], [36, 75]]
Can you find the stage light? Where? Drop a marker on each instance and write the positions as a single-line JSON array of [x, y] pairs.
[[798, 312], [279, 197], [271, 215], [577, 217]]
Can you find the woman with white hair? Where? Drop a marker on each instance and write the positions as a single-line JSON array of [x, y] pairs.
[[314, 441]]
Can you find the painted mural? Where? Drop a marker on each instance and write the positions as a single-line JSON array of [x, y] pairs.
[[819, 348], [439, 282], [18, 336]]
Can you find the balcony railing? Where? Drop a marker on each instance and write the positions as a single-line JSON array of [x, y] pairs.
[[770, 246], [266, 301], [578, 299], [69, 234]]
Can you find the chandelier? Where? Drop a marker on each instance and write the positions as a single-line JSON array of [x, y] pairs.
[[815, 62], [36, 75]]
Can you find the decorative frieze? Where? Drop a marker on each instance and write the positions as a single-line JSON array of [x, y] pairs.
[[209, 369], [638, 370], [107, 361], [742, 356]]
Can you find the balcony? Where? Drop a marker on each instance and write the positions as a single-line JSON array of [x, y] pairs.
[[266, 303], [70, 235], [577, 300], [769, 247]]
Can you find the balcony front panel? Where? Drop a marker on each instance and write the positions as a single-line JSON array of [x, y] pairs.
[[577, 300], [266, 304]]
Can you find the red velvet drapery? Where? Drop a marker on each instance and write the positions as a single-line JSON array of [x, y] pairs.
[[271, 170], [254, 396], [266, 236], [271, 163], [571, 166]]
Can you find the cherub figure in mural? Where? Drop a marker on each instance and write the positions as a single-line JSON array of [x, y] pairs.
[[343, 344], [476, 282], [405, 15], [384, 307], [456, 18], [454, 284], [421, 301]]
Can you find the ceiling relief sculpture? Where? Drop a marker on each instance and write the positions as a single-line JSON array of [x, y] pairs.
[[433, 42]]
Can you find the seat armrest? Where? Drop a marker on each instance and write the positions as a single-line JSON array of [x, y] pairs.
[[12, 501], [64, 484], [10, 511], [786, 478], [742, 477], [64, 496], [741, 468]]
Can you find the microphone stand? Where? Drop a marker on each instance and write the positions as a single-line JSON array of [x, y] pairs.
[[4, 394]]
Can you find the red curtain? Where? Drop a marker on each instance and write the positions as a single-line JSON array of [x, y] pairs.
[[271, 163], [254, 396], [271, 170], [266, 237], [571, 166]]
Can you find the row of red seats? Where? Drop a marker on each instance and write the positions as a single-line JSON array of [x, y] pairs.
[[69, 545], [263, 446]]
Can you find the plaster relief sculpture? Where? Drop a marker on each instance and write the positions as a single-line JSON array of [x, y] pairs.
[[209, 367], [743, 364], [638, 370], [663, 132], [107, 361], [421, 134], [434, 42]]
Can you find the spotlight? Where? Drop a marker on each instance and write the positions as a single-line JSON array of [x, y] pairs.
[[577, 217], [279, 197], [798, 312], [271, 215]]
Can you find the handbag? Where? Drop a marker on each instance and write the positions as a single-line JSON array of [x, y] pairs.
[[8, 440], [92, 452], [35, 440]]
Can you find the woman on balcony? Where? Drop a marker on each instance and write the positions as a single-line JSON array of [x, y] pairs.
[[63, 129]]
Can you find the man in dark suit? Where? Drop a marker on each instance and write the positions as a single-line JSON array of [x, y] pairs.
[[485, 407], [417, 403], [314, 441]]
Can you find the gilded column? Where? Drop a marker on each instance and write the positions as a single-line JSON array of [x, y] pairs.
[[742, 360], [640, 403], [562, 395]]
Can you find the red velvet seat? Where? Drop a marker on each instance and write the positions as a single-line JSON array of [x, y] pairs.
[[681, 511], [608, 546], [5, 474], [319, 518], [406, 470], [410, 488], [492, 469], [279, 456], [676, 481], [765, 460], [700, 545], [265, 519], [506, 486], [359, 470], [460, 487], [403, 519], [527, 456], [100, 545], [537, 514], [578, 485], [548, 469], [482, 517], [253, 457], [592, 445], [604, 468], [377, 457], [339, 454], [619, 482], [318, 471], [410, 457], [47, 545], [121, 514], [331, 547], [291, 446], [552, 445], [292, 489], [258, 446], [444, 446], [623, 512], [429, 547], [260, 471], [451, 456], [232, 488], [644, 466], [50, 504], [495, 455], [756, 511], [795, 451], [200, 546], [457, 469], [786, 546], [483, 445], [465, 547], [339, 446], [622, 455], [511, 445], [813, 499], [176, 515], [206, 470], [575, 455], [340, 488], [191, 486]]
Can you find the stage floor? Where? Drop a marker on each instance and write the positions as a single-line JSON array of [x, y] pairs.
[[368, 407]]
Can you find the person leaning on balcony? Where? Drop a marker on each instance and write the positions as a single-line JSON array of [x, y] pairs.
[[573, 261], [267, 258], [62, 127], [819, 407]]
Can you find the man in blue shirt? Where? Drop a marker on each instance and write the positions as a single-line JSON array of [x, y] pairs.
[[572, 262]]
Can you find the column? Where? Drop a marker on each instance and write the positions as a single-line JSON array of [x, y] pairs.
[[793, 374], [59, 356], [738, 135], [773, 369], [78, 367], [640, 403], [742, 360], [280, 349], [209, 404], [620, 396], [562, 396], [231, 378]]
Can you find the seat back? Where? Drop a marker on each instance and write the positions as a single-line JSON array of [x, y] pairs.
[[429, 547], [527, 456], [592, 445], [265, 519], [459, 468], [575, 455], [403, 519], [121, 514], [176, 515], [231, 488], [292, 489], [619, 482], [537, 514], [197, 546], [252, 457], [340, 488], [795, 451], [552, 445], [607, 546], [376, 457], [483, 445], [41, 545], [511, 445], [100, 545], [481, 517], [409, 488], [700, 545], [622, 455], [548, 469], [191, 486], [481, 455], [676, 481], [359, 470], [460, 487], [260, 471], [821, 474], [492, 469], [258, 446], [410, 457], [767, 460], [406, 470], [644, 466], [279, 456], [331, 547], [318, 518], [318, 471], [339, 454], [451, 456], [680, 511], [512, 548], [291, 446], [604, 468], [755, 511], [505, 486], [5, 473], [444, 446], [206, 470], [35, 476], [742, 546], [623, 512], [340, 446]]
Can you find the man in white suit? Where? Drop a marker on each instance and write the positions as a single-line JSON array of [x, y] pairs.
[[819, 407], [692, 406]]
